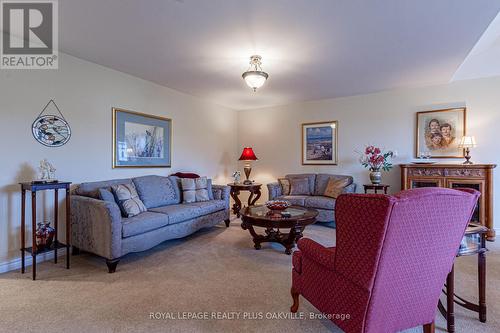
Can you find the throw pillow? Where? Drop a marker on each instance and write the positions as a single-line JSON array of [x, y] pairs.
[[188, 190], [299, 186], [128, 200], [335, 187], [285, 185], [195, 190], [201, 189], [106, 195]]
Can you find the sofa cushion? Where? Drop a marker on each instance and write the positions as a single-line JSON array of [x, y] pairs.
[[335, 187], [311, 177], [106, 195], [322, 181], [319, 202], [201, 189], [142, 223], [179, 212], [208, 207], [299, 186], [128, 200], [156, 191], [188, 190], [285, 185], [296, 200], [91, 189]]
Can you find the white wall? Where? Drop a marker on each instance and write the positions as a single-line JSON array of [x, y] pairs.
[[204, 135], [386, 119]]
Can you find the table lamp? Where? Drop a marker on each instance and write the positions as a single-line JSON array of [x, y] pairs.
[[467, 142], [247, 155]]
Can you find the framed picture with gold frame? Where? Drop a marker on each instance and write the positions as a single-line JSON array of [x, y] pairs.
[[141, 140], [320, 143], [439, 132]]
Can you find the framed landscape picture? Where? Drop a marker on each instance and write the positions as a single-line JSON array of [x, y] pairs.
[[141, 140], [319, 143], [439, 132]]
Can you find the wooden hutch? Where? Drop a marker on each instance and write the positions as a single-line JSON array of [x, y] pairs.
[[476, 176]]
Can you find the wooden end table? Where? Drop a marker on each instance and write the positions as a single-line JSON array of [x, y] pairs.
[[474, 242], [273, 221], [376, 188], [34, 188], [236, 188]]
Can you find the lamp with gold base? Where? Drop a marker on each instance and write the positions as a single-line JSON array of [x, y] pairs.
[[467, 142], [247, 155]]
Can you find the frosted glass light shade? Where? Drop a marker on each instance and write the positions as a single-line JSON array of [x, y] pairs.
[[255, 79], [467, 142]]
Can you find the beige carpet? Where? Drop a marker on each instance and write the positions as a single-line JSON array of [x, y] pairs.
[[216, 270]]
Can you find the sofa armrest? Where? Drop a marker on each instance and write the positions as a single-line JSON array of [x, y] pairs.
[[351, 188], [96, 226], [317, 252], [221, 192], [274, 190]]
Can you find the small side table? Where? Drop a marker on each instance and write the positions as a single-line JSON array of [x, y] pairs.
[[376, 188], [34, 188], [474, 242], [254, 189]]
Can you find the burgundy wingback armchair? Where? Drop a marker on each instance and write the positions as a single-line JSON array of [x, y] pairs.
[[392, 257]]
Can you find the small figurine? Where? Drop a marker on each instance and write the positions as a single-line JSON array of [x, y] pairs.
[[47, 170], [236, 177]]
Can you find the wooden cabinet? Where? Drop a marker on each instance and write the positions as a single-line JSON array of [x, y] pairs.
[[476, 176]]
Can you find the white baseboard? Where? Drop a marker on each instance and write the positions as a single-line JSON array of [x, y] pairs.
[[15, 264]]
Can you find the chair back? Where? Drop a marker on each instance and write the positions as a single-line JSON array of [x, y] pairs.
[[423, 231]]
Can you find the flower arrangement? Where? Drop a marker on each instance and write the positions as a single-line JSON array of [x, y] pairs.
[[375, 159]]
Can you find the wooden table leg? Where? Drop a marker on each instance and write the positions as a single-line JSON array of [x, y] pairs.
[[68, 227], [23, 229], [33, 233], [450, 294], [481, 260], [56, 217], [252, 202], [237, 202]]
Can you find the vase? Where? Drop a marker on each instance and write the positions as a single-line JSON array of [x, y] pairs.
[[49, 234], [376, 177], [41, 238]]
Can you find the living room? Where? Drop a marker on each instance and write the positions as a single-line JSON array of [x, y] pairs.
[[259, 106]]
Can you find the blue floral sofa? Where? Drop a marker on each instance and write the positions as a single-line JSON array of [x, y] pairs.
[[98, 226], [317, 185]]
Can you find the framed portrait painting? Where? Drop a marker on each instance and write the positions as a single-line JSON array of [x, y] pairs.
[[141, 140], [439, 133], [319, 143]]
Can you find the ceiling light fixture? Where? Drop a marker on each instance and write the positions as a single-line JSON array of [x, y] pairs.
[[254, 76]]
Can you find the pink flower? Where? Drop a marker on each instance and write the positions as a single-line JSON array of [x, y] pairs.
[[369, 150], [377, 151]]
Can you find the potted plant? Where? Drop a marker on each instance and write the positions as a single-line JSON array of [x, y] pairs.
[[376, 160]]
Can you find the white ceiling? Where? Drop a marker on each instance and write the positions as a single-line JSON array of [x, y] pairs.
[[484, 59], [312, 49]]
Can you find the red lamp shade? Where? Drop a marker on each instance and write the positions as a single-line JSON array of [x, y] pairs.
[[248, 155]]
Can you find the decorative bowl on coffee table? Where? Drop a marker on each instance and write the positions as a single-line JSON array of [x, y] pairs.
[[278, 204]]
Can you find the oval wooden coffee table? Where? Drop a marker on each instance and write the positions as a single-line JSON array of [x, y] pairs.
[[273, 221]]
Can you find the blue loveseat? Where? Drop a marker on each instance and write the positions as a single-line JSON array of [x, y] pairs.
[[317, 185], [98, 227]]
